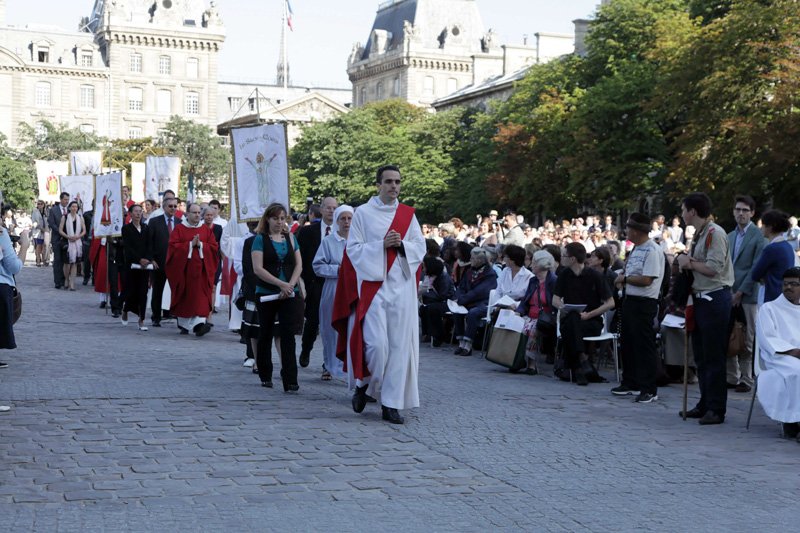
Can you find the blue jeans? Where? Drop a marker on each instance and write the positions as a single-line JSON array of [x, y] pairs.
[[710, 346], [468, 327]]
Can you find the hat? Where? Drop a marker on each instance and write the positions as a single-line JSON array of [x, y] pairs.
[[638, 221], [493, 212]]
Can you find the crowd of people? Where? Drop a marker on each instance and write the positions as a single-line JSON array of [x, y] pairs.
[[359, 278]]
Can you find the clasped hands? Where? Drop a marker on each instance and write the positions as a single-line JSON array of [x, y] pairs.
[[392, 240]]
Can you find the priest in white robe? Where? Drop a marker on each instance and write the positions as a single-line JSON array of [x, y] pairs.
[[778, 333], [385, 248]]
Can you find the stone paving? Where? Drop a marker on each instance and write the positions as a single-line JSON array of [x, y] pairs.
[[120, 430]]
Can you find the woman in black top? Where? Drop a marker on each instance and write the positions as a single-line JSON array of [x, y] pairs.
[[134, 242]]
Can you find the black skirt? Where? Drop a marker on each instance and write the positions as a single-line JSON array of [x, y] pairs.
[[6, 316]]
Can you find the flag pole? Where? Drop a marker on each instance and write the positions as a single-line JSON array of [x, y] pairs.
[[285, 63]]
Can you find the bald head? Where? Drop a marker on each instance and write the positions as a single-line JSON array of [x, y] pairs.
[[328, 206]]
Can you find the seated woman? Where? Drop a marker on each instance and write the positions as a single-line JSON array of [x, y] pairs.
[[600, 260], [436, 288], [513, 280], [461, 265], [537, 304], [473, 293], [776, 257]]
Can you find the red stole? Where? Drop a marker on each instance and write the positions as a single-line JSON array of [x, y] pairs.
[[347, 299]]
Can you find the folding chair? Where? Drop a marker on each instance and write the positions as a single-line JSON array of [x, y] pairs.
[[486, 322], [606, 335], [756, 371]]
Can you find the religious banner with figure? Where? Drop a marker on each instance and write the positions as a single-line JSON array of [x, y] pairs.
[[260, 169], [86, 163], [161, 173], [47, 175], [80, 189], [109, 209], [137, 182]]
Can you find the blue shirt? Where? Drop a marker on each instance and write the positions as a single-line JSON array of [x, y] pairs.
[[10, 264], [776, 259], [281, 249]]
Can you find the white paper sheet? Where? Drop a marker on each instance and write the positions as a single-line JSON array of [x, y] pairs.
[[455, 308], [673, 321], [509, 320]]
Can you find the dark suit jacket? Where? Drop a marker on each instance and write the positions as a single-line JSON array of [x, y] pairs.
[[158, 238], [54, 221], [309, 239], [135, 244], [752, 245]]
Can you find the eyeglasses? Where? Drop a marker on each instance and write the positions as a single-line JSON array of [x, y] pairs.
[[791, 284]]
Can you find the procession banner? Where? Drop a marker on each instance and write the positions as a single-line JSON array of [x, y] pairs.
[[161, 173], [108, 213], [47, 174], [80, 189], [260, 169], [85, 163], [137, 182]]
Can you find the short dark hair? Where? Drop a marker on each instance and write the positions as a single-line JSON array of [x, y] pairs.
[[745, 199], [554, 250], [168, 191], [516, 254], [793, 272], [604, 254], [700, 202], [576, 250], [777, 220], [63, 195], [315, 210], [384, 168], [216, 203], [433, 265], [432, 248], [464, 249]]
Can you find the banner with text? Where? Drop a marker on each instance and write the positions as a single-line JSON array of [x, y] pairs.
[[108, 214], [260, 169], [47, 174], [80, 189], [161, 173]]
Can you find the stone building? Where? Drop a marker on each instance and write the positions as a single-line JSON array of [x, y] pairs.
[[122, 73], [419, 51]]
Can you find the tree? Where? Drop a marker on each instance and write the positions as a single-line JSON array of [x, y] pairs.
[[200, 151], [16, 178], [56, 141]]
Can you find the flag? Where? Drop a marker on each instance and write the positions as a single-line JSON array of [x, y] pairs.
[[289, 14]]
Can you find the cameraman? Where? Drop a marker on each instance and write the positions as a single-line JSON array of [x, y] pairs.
[[10, 264]]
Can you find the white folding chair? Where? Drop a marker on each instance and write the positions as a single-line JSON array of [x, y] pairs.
[[487, 321], [607, 335]]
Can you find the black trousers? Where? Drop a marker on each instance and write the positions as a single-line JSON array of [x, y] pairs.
[[58, 261], [311, 327], [639, 354], [87, 263], [135, 295], [573, 330], [432, 319], [159, 280], [287, 311], [113, 287], [710, 346]]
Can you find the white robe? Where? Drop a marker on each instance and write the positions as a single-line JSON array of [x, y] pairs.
[[391, 326], [326, 265], [233, 236], [778, 330]]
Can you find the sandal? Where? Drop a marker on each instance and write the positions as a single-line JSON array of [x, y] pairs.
[[326, 376]]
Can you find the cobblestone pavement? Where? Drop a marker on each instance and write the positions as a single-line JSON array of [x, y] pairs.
[[115, 429]]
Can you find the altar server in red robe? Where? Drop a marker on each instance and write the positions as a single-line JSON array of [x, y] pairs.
[[192, 260]]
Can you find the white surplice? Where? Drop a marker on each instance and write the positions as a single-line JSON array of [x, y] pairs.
[[326, 265], [391, 326], [778, 330]]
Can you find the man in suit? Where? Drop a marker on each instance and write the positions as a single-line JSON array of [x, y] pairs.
[[309, 238], [54, 222], [746, 243], [160, 229]]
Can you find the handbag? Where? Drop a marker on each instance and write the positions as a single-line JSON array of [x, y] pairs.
[[240, 300], [737, 341], [17, 305]]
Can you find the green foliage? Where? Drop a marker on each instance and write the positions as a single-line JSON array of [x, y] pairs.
[[299, 188], [56, 142], [120, 153], [16, 182], [200, 150]]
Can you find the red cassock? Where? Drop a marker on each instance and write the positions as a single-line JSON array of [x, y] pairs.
[[99, 259], [191, 279]]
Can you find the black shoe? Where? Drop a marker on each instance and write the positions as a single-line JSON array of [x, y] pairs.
[[465, 352], [115, 314], [183, 331], [85, 281], [3, 364], [622, 390], [359, 400], [390, 414], [267, 384], [59, 286], [436, 342], [459, 351], [580, 378], [731, 385], [646, 397], [102, 305], [692, 413], [304, 358], [791, 430], [743, 387], [156, 324], [711, 418], [201, 329], [290, 387]]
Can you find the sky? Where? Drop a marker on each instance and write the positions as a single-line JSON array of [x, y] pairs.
[[324, 31]]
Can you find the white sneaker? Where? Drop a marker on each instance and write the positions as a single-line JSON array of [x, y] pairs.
[[4, 408], [249, 363]]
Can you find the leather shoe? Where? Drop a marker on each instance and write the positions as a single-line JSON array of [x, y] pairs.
[[743, 387], [390, 414], [790, 430], [459, 351], [360, 398], [156, 324], [692, 413], [711, 418], [304, 358]]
